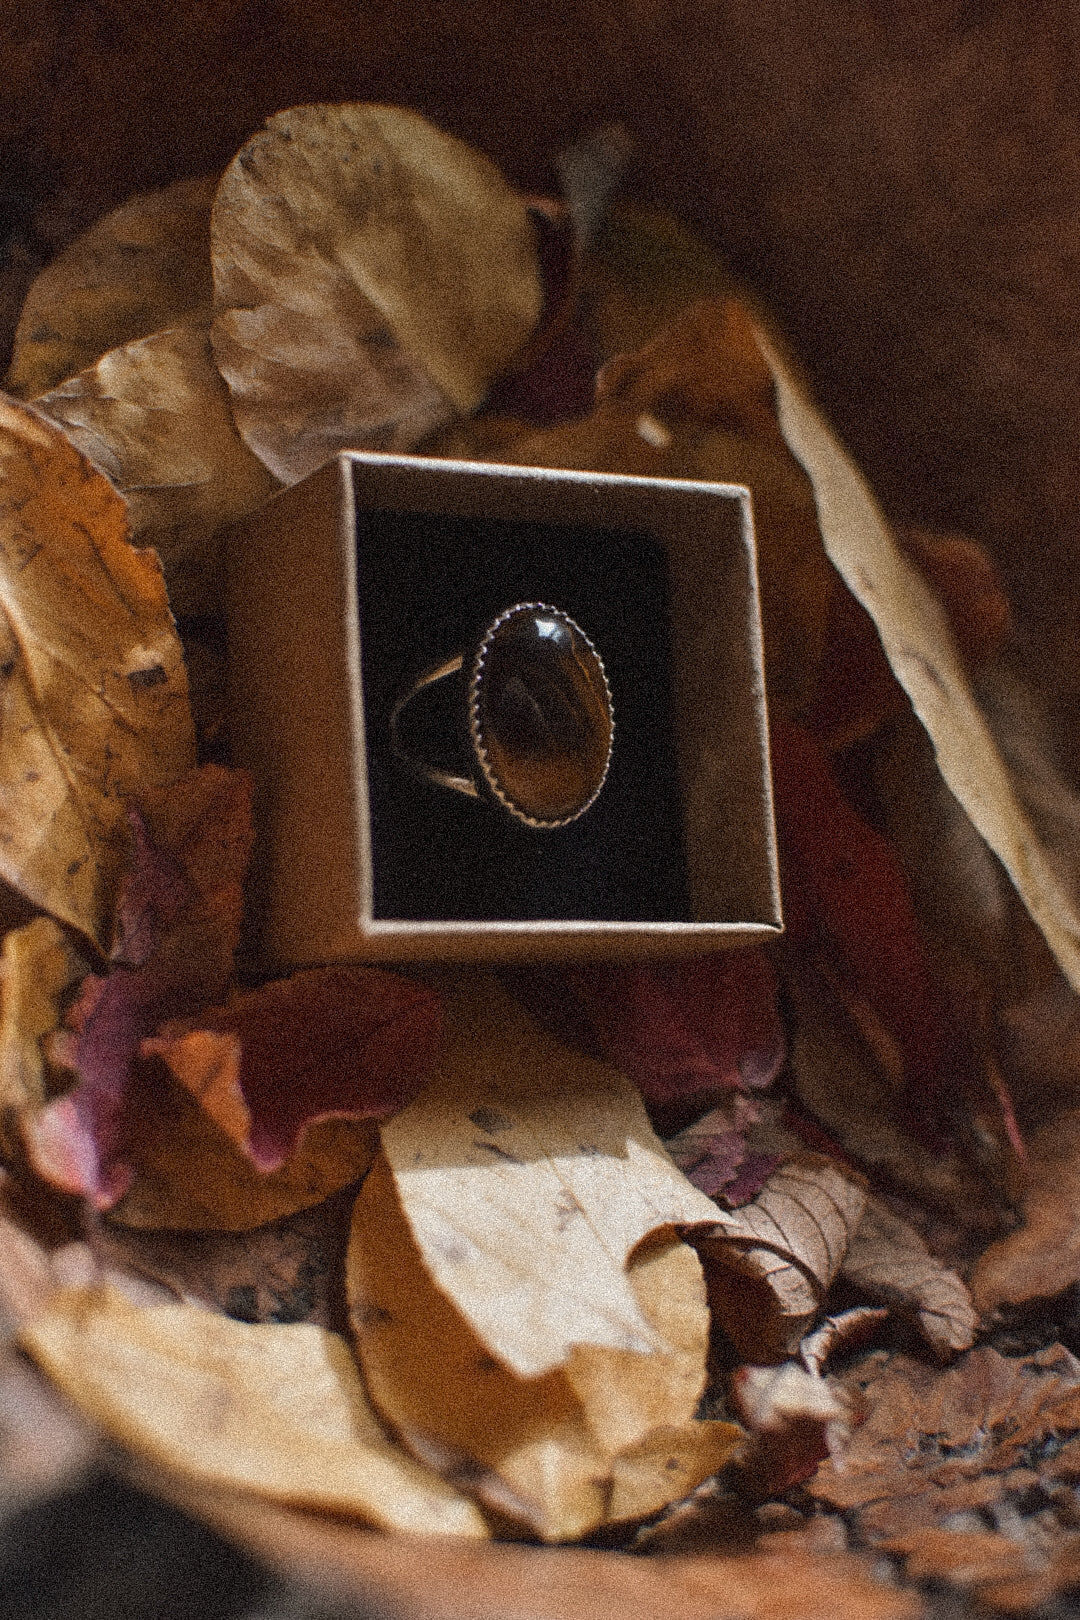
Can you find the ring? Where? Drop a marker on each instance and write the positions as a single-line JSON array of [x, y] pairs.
[[538, 725]]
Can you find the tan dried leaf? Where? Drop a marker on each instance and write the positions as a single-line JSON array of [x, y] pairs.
[[920, 646], [937, 1442], [191, 1177], [528, 1172], [145, 265], [278, 1411], [1042, 1257], [888, 1260], [556, 1583], [372, 275], [38, 966], [770, 1262], [94, 702], [608, 1436], [846, 1331], [154, 416], [695, 402]]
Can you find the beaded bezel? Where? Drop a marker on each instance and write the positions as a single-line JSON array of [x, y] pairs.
[[476, 733]]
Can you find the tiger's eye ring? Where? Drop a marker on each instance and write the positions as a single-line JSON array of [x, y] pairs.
[[539, 717]]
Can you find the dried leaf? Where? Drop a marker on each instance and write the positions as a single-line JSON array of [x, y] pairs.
[[847, 1331], [770, 1262], [712, 1153], [919, 642], [843, 885], [694, 403], [178, 921], [839, 1079], [188, 1176], [796, 1419], [278, 1411], [332, 1042], [371, 276], [154, 417], [643, 270], [143, 266], [38, 967], [686, 1033], [289, 1270], [556, 1583], [1042, 1257], [95, 700], [888, 1260], [528, 1172], [936, 1443], [607, 1436]]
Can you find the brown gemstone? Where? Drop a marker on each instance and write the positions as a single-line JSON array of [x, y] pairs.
[[541, 714]]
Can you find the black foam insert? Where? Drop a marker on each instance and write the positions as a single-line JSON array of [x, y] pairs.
[[429, 585]]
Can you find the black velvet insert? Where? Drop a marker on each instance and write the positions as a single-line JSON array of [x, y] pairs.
[[429, 586]]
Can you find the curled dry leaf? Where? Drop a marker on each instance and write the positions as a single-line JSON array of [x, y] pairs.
[[935, 1443], [922, 650], [888, 1260], [848, 1330], [607, 1436], [154, 416], [144, 266], [94, 702], [770, 1262], [372, 275], [278, 1411], [528, 1172]]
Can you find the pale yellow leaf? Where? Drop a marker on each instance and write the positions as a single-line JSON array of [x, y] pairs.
[[38, 966], [919, 644], [145, 265], [154, 416], [276, 1410], [611, 1435], [528, 1172], [372, 275], [93, 695], [889, 1260]]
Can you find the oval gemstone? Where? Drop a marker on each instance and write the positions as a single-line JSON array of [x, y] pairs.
[[541, 713]]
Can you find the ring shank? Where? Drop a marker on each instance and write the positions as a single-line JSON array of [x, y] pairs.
[[431, 773]]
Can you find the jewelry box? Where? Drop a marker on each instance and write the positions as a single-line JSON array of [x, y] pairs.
[[501, 713]]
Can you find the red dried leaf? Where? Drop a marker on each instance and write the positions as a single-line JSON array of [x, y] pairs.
[[712, 1153], [687, 1033], [350, 1043], [178, 924], [844, 890]]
